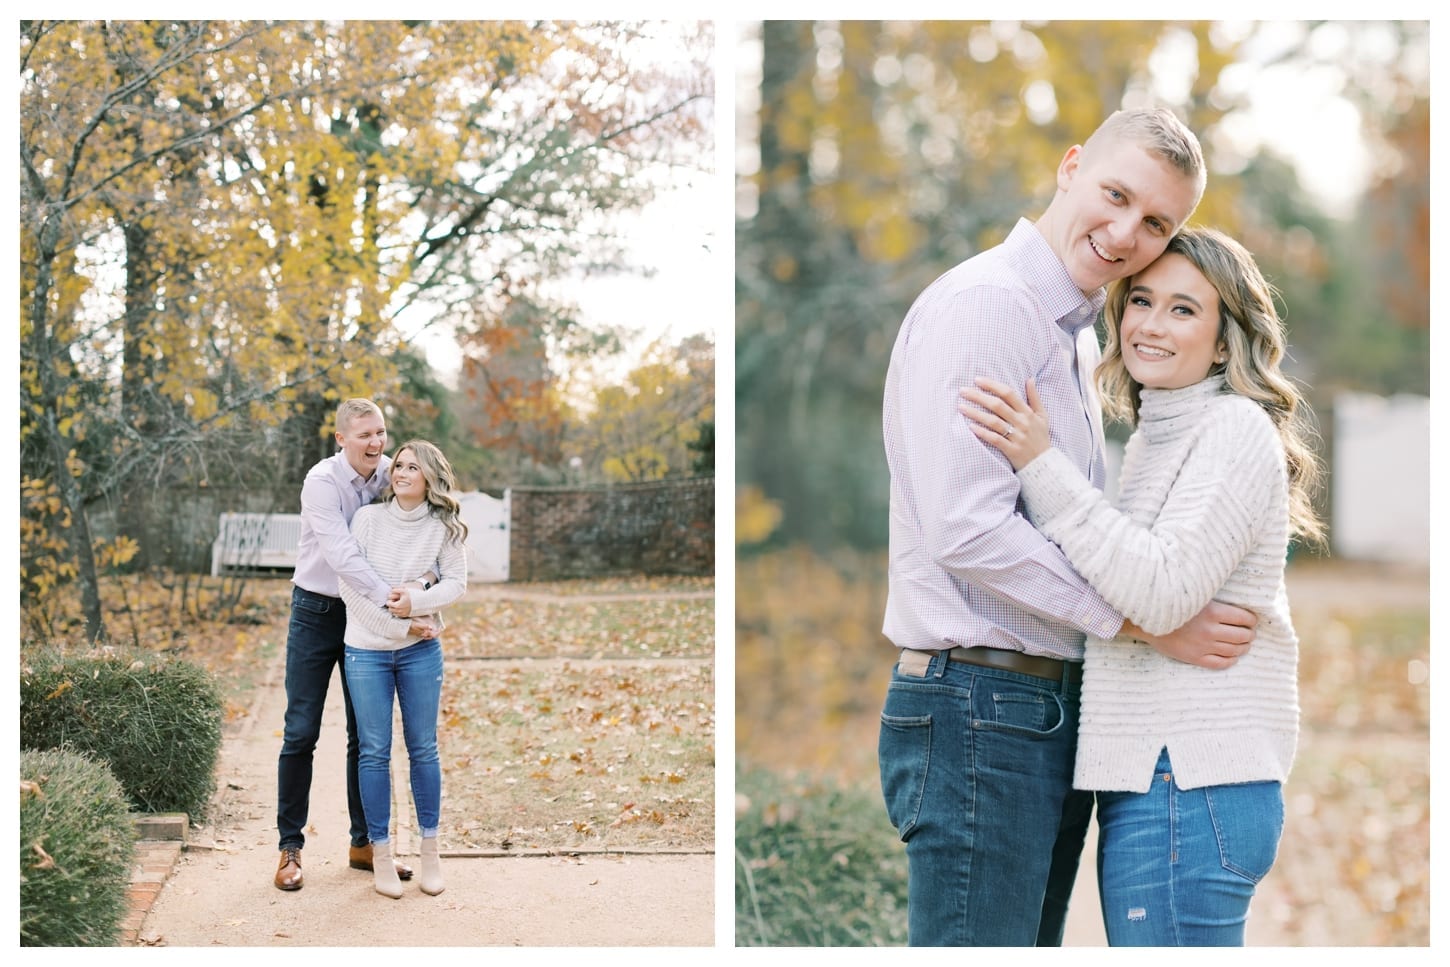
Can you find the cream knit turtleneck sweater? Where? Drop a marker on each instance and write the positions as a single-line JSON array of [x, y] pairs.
[[1203, 515], [400, 545]]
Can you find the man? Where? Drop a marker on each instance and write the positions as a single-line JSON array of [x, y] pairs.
[[989, 615], [333, 491]]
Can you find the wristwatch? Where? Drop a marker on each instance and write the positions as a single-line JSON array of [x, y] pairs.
[[427, 584]]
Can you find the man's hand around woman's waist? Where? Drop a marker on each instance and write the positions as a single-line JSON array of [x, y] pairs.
[[1216, 637]]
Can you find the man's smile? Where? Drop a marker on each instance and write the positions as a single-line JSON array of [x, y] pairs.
[[1100, 253]]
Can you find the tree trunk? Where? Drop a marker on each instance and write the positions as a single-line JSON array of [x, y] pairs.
[[79, 532], [79, 535]]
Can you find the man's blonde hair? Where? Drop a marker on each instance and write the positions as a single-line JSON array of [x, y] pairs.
[[1160, 132], [349, 410]]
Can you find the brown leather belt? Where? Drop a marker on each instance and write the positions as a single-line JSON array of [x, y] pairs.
[[1038, 666]]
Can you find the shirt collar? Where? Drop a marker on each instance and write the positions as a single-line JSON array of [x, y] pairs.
[[1046, 274]]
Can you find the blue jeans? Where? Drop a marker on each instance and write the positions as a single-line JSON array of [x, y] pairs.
[[415, 675], [976, 767], [314, 647], [1177, 868]]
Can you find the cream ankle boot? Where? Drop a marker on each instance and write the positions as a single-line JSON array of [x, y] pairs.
[[385, 874], [430, 878]]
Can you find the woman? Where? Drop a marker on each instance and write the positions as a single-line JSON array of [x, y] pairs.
[[415, 529], [1187, 762]]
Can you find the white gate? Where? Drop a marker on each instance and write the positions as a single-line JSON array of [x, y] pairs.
[[1381, 478], [488, 535]]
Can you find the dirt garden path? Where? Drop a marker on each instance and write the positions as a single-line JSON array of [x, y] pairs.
[[220, 891]]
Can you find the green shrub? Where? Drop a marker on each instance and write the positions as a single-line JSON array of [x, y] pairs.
[[815, 866], [155, 722], [77, 842]]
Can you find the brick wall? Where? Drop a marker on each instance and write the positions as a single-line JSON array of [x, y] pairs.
[[663, 527]]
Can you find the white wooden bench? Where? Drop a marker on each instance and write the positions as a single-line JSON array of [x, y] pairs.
[[252, 541]]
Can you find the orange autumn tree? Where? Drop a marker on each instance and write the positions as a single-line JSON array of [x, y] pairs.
[[510, 405]]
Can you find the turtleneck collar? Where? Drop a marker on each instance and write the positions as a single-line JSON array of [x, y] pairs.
[[1163, 411], [417, 513]]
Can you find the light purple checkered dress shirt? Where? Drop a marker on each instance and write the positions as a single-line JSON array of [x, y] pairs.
[[967, 568], [331, 494]]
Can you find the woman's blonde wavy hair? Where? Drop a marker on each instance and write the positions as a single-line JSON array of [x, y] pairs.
[[440, 487], [1250, 328]]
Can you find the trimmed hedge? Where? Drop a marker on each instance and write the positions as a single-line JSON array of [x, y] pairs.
[[77, 843], [155, 722]]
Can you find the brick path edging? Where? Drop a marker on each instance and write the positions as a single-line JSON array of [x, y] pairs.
[[154, 863]]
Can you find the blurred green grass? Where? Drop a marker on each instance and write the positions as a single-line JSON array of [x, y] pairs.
[[816, 865], [811, 669]]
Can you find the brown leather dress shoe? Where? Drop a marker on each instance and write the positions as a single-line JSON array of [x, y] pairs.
[[361, 858], [289, 869]]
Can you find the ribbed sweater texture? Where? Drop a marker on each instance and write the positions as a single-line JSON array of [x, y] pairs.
[[401, 545], [1202, 514]]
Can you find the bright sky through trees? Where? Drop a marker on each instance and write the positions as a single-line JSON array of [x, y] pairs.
[[673, 251], [674, 256], [1295, 113]]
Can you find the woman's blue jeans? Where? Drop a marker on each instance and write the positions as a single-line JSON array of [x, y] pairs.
[[415, 675], [976, 767], [1177, 868]]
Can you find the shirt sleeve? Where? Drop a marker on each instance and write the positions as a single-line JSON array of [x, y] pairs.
[[1161, 575], [322, 509], [967, 491], [359, 607]]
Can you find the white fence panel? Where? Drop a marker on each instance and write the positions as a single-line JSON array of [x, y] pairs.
[[1381, 482]]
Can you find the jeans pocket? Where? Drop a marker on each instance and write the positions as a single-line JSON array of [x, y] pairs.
[[311, 604], [1026, 710], [904, 755], [1248, 819]]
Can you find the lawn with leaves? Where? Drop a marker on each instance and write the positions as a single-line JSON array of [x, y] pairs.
[[576, 715], [1353, 865], [590, 755], [621, 584], [580, 715], [507, 624]]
